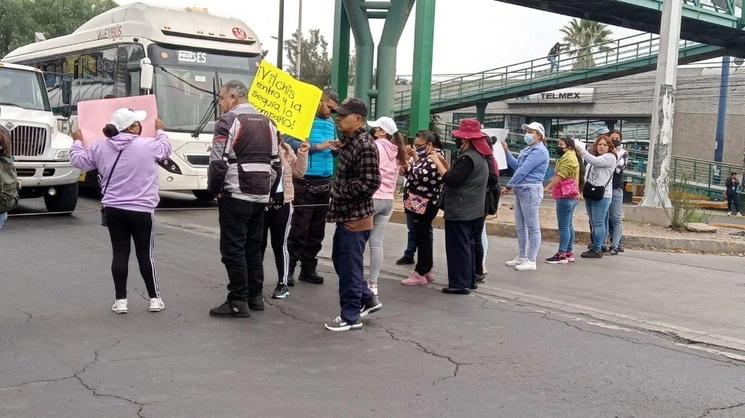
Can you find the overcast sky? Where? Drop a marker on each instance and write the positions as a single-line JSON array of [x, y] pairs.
[[470, 35]]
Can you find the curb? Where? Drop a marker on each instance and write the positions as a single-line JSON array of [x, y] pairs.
[[507, 230]]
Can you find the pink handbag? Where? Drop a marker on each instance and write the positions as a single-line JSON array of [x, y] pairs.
[[566, 188]]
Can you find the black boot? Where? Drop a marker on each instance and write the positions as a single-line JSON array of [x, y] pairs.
[[309, 275], [290, 274]]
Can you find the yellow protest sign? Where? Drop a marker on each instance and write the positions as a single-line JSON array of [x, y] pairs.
[[290, 103]]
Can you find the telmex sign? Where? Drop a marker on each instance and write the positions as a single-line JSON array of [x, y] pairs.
[[562, 96]]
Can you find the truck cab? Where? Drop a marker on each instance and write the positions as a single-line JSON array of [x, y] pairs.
[[41, 151]]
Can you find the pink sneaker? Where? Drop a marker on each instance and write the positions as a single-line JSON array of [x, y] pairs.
[[430, 277], [415, 279]]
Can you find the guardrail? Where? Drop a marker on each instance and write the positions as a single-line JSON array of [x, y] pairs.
[[613, 53]]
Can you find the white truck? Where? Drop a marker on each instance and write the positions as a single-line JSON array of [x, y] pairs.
[[41, 151]]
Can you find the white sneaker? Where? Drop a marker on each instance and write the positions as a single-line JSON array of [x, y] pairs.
[[526, 265], [373, 288], [729, 213], [120, 306], [516, 261], [156, 305], [739, 214]]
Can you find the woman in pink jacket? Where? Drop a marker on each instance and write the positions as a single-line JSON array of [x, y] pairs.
[[391, 157]]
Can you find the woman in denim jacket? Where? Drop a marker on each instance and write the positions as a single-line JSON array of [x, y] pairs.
[[527, 182]]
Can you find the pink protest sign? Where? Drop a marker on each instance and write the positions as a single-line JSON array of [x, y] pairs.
[[93, 115]]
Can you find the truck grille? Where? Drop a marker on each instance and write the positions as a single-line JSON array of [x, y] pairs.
[[28, 141]]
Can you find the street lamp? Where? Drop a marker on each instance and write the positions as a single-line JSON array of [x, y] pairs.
[[280, 32]]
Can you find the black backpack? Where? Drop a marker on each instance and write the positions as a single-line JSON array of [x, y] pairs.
[[491, 204]]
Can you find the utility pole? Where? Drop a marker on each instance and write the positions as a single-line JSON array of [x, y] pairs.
[[660, 147], [721, 117], [280, 33], [300, 37]]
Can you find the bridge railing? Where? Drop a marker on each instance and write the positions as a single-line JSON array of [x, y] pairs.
[[728, 7], [569, 63]]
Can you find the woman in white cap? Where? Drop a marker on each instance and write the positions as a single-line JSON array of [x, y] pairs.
[[392, 159], [127, 163], [527, 182]]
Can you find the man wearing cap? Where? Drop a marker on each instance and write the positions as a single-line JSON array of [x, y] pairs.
[[244, 138], [308, 225], [351, 209], [464, 197]]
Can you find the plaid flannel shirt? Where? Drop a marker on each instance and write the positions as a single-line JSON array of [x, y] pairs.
[[357, 178]]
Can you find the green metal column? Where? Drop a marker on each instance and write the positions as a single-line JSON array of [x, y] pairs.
[[340, 54], [422, 79], [395, 21], [363, 72]]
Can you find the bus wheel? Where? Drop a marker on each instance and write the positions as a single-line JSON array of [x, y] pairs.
[[64, 200], [203, 195]]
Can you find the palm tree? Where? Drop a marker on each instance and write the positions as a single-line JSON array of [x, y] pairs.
[[584, 37]]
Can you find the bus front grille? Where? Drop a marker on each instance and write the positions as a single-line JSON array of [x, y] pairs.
[[28, 141]]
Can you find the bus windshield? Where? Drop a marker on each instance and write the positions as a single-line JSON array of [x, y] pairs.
[[22, 88], [187, 81]]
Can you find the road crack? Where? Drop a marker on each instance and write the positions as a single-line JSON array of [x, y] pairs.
[[77, 376], [419, 346], [723, 408], [285, 313]]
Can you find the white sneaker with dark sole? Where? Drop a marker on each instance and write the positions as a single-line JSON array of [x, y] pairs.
[[120, 306], [156, 305], [339, 324]]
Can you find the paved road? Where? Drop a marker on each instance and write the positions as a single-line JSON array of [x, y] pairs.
[[64, 353]]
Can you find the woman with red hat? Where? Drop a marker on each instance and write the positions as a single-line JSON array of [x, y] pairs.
[[464, 201]]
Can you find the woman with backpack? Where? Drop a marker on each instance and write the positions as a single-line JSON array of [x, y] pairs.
[[8, 178], [128, 166]]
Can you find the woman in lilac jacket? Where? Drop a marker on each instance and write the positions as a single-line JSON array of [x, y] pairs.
[[127, 163]]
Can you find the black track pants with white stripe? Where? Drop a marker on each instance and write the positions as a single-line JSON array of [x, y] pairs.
[[277, 221], [126, 226]]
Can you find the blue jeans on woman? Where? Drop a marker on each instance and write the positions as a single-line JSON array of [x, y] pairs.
[[3, 217], [597, 210], [564, 215], [615, 218], [528, 199]]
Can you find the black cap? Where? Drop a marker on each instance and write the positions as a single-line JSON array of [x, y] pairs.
[[351, 105]]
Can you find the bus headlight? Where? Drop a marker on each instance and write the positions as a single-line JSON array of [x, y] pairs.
[[170, 166], [63, 154]]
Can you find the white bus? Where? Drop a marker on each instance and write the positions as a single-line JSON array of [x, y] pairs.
[[182, 55]]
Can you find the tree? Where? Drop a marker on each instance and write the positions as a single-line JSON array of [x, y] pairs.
[[315, 64], [21, 18], [584, 37]]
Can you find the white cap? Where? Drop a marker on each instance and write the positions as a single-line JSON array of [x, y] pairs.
[[535, 126], [124, 118], [385, 123]]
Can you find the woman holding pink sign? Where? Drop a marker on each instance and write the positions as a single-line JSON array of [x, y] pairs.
[[127, 164]]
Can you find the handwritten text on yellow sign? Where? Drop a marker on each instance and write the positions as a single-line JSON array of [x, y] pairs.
[[290, 103]]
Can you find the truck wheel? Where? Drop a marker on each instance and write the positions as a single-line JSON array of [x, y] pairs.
[[64, 200], [203, 195]]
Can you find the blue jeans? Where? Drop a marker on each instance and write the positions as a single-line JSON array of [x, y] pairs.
[[411, 244], [347, 254], [383, 212], [554, 64], [615, 218], [597, 210], [484, 244], [3, 217], [564, 215], [527, 203]]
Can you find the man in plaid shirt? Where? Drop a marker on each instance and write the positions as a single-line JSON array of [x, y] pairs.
[[351, 208]]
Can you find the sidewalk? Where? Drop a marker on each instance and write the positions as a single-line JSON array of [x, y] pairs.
[[635, 235]]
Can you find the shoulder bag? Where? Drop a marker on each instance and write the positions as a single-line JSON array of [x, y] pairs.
[[592, 192], [104, 221]]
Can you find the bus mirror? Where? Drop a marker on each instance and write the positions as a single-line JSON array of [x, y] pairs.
[[66, 90], [146, 74]]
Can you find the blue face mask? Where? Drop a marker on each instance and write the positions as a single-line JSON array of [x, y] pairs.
[[528, 139], [421, 151]]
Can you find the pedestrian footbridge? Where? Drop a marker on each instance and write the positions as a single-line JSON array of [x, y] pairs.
[[626, 56]]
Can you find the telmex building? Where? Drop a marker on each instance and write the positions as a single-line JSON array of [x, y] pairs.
[[626, 104]]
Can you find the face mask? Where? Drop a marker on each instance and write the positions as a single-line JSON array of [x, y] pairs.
[[421, 151], [560, 151], [528, 139], [458, 143], [616, 143]]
